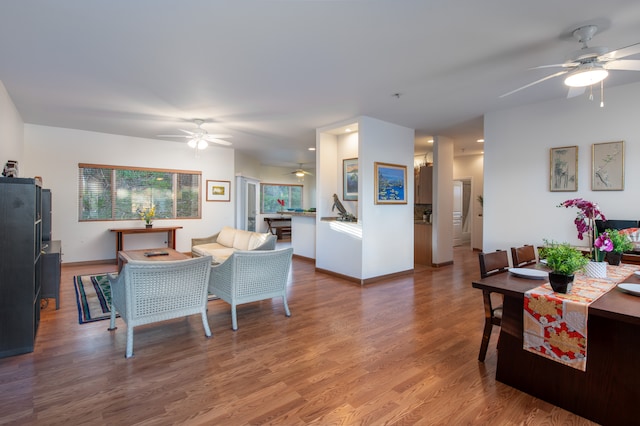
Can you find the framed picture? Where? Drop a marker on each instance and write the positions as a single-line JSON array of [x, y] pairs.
[[390, 183], [218, 190], [564, 169], [607, 170], [350, 179]]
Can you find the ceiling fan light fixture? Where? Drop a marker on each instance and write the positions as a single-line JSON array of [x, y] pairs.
[[586, 76], [193, 143], [202, 144], [300, 173]]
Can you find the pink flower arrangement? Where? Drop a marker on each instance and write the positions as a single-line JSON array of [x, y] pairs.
[[585, 222], [604, 245], [281, 202]]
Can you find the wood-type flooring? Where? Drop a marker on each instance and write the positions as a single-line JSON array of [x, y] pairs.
[[398, 352]]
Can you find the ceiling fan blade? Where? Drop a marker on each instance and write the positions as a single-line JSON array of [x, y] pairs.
[[575, 91], [564, 65], [535, 82], [209, 136], [634, 49], [219, 141], [623, 65], [187, 132], [173, 136]]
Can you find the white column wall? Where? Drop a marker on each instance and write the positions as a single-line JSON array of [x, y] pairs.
[[387, 230], [442, 235]]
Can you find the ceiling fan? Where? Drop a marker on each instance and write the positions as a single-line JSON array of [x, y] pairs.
[[200, 138], [589, 65], [300, 172]]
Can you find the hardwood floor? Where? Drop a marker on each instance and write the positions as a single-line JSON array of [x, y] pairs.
[[402, 351]]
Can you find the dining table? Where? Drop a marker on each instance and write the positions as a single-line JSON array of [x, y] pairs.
[[609, 389]]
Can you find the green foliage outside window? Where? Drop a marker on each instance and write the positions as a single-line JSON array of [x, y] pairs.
[[271, 193], [117, 193]]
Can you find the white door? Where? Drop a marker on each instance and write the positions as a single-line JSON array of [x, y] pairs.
[[457, 213], [247, 203]]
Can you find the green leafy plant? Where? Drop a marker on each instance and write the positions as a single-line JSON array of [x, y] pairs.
[[562, 258], [621, 242]]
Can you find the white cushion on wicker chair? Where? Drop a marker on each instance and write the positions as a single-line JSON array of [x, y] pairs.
[[146, 292], [218, 252], [249, 276]]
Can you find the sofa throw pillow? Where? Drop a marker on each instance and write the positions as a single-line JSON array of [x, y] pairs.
[[241, 240], [257, 239], [226, 236]]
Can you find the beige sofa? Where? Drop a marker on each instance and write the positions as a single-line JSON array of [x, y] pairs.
[[221, 245]]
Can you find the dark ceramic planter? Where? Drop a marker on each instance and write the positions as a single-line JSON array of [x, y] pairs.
[[148, 225], [613, 258], [560, 283]]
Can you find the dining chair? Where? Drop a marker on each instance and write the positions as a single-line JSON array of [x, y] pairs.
[[523, 256], [492, 263]]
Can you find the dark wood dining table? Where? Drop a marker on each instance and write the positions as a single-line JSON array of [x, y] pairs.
[[609, 390]]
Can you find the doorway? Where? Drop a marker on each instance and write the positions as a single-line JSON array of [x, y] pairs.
[[461, 213]]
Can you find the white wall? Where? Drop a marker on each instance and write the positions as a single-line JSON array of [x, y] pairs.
[[518, 206], [471, 167], [11, 132], [387, 230], [442, 235], [381, 242], [54, 154]]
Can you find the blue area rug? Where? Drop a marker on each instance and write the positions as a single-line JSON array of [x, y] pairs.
[[93, 296]]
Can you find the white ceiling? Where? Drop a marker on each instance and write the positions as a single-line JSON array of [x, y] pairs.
[[269, 72]]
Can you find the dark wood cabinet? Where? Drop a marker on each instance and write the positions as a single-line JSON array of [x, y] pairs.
[[51, 270], [20, 264], [424, 185]]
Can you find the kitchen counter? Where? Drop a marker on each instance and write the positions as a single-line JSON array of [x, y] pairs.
[[422, 251], [305, 214], [303, 234]]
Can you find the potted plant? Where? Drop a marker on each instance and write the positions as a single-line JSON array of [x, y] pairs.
[[619, 244], [585, 222], [147, 215], [564, 261]]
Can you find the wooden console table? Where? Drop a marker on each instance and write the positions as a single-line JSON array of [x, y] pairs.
[[120, 232]]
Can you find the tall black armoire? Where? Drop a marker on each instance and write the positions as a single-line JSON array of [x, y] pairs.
[[20, 264]]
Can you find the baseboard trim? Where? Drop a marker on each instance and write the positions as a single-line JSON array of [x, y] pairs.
[[365, 281], [306, 259], [440, 265]]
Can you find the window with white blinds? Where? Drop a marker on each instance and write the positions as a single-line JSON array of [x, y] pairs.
[[119, 193], [289, 195]]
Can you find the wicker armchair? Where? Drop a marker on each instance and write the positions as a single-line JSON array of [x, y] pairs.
[[249, 276], [146, 292]]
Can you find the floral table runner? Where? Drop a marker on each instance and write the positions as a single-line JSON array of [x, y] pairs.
[[555, 324]]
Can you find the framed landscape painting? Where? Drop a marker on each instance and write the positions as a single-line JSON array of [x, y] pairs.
[[350, 179], [564, 169], [390, 183], [218, 190], [607, 171]]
